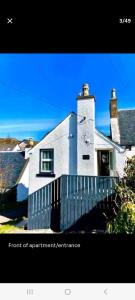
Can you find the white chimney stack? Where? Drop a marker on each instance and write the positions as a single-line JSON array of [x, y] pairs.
[[114, 126], [85, 132]]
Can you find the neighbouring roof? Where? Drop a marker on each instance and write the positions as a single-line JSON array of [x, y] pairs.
[[126, 119], [11, 165], [8, 144], [26, 144]]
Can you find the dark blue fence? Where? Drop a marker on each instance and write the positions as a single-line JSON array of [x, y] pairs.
[[62, 202]]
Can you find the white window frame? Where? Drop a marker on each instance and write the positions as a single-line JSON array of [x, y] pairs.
[[46, 160]]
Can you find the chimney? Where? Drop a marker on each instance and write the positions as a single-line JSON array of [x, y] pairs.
[[85, 89], [85, 132], [114, 126], [31, 142], [113, 104]]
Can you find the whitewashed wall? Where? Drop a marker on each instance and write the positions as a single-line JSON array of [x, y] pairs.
[[85, 135], [63, 140], [120, 163], [16, 148], [115, 130], [121, 160], [23, 185], [27, 150], [101, 143]]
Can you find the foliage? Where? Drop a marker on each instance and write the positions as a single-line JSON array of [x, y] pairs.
[[124, 221], [10, 227], [125, 192], [130, 168]]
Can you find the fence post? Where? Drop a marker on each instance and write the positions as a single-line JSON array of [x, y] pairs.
[[55, 205]]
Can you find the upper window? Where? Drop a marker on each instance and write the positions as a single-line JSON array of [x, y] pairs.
[[46, 160]]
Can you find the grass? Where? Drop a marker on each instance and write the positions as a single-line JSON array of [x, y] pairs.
[[10, 227]]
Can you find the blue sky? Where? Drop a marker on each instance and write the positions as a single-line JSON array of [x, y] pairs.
[[38, 90]]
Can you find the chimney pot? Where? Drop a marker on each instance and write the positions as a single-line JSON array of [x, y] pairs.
[[31, 142], [113, 94], [85, 89]]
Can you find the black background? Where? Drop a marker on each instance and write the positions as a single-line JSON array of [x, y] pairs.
[[64, 29], [101, 258]]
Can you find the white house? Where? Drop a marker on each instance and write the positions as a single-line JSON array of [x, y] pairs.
[[23, 182], [75, 146]]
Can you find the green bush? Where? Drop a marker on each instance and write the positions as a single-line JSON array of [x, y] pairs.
[[124, 221], [125, 192], [130, 168]]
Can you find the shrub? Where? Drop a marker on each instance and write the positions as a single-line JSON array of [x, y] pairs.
[[124, 221]]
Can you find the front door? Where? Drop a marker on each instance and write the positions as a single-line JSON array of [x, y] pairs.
[[103, 163]]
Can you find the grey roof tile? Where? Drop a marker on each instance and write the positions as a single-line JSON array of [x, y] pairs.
[[8, 144], [11, 164], [126, 119]]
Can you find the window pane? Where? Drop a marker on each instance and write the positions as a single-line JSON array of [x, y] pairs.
[[47, 166], [47, 154], [47, 160]]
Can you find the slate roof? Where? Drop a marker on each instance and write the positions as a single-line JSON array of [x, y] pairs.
[[11, 165], [126, 119], [8, 144]]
